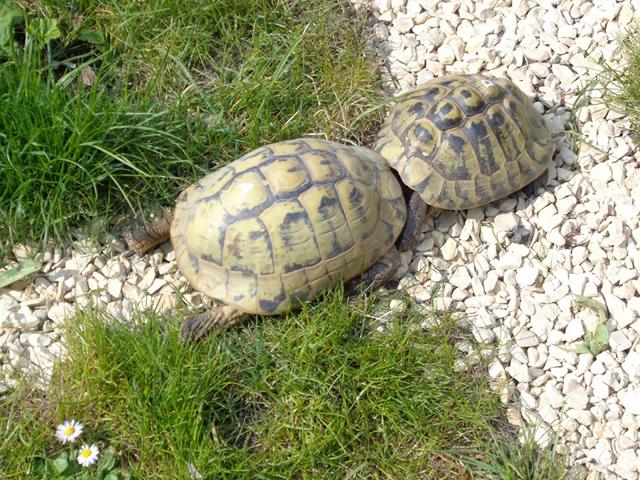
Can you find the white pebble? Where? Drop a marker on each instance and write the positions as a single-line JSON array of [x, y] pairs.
[[527, 276], [619, 342]]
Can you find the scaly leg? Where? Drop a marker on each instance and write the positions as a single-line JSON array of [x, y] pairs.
[[143, 237], [376, 276], [541, 182], [196, 327], [416, 213]]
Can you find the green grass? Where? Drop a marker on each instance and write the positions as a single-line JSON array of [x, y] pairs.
[[319, 394], [621, 86], [68, 159], [180, 87], [509, 459], [267, 68]]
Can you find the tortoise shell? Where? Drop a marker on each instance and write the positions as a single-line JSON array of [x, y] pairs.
[[466, 140], [285, 221]]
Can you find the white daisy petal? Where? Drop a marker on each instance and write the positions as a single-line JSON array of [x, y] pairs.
[[69, 431], [88, 455]]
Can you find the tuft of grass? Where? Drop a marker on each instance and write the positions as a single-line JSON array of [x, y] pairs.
[[621, 86], [318, 394], [510, 459], [179, 87], [68, 159], [269, 69]]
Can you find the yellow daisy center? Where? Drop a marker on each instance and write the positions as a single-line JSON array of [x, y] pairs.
[[86, 453], [69, 431]]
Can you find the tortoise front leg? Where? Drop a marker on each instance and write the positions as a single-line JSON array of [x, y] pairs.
[[143, 237], [376, 276], [196, 327], [416, 213]]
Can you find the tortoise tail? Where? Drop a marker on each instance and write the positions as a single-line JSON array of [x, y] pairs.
[[143, 237]]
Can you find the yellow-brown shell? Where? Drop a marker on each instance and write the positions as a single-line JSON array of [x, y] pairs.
[[464, 141], [284, 222]]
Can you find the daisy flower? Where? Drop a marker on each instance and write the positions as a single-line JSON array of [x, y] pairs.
[[88, 455], [69, 431]]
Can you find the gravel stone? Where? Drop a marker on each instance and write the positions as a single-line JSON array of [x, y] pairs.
[[461, 278], [619, 342], [114, 287], [59, 311], [147, 279], [519, 372], [404, 24], [630, 400], [114, 269], [446, 54], [449, 250], [526, 338], [506, 222], [574, 331], [527, 276], [627, 461]]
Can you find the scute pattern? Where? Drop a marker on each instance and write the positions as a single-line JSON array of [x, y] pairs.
[[286, 221], [465, 141]]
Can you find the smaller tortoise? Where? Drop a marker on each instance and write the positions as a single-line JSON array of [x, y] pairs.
[[463, 141], [281, 224]]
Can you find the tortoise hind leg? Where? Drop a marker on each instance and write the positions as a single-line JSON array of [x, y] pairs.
[[376, 276], [196, 327], [144, 237], [416, 213], [532, 187]]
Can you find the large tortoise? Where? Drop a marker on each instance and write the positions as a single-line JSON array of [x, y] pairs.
[[279, 225], [463, 141]]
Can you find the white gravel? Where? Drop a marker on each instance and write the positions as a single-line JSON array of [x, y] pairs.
[[512, 268], [31, 311]]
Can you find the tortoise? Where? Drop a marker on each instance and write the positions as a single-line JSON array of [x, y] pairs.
[[463, 141], [279, 225]]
